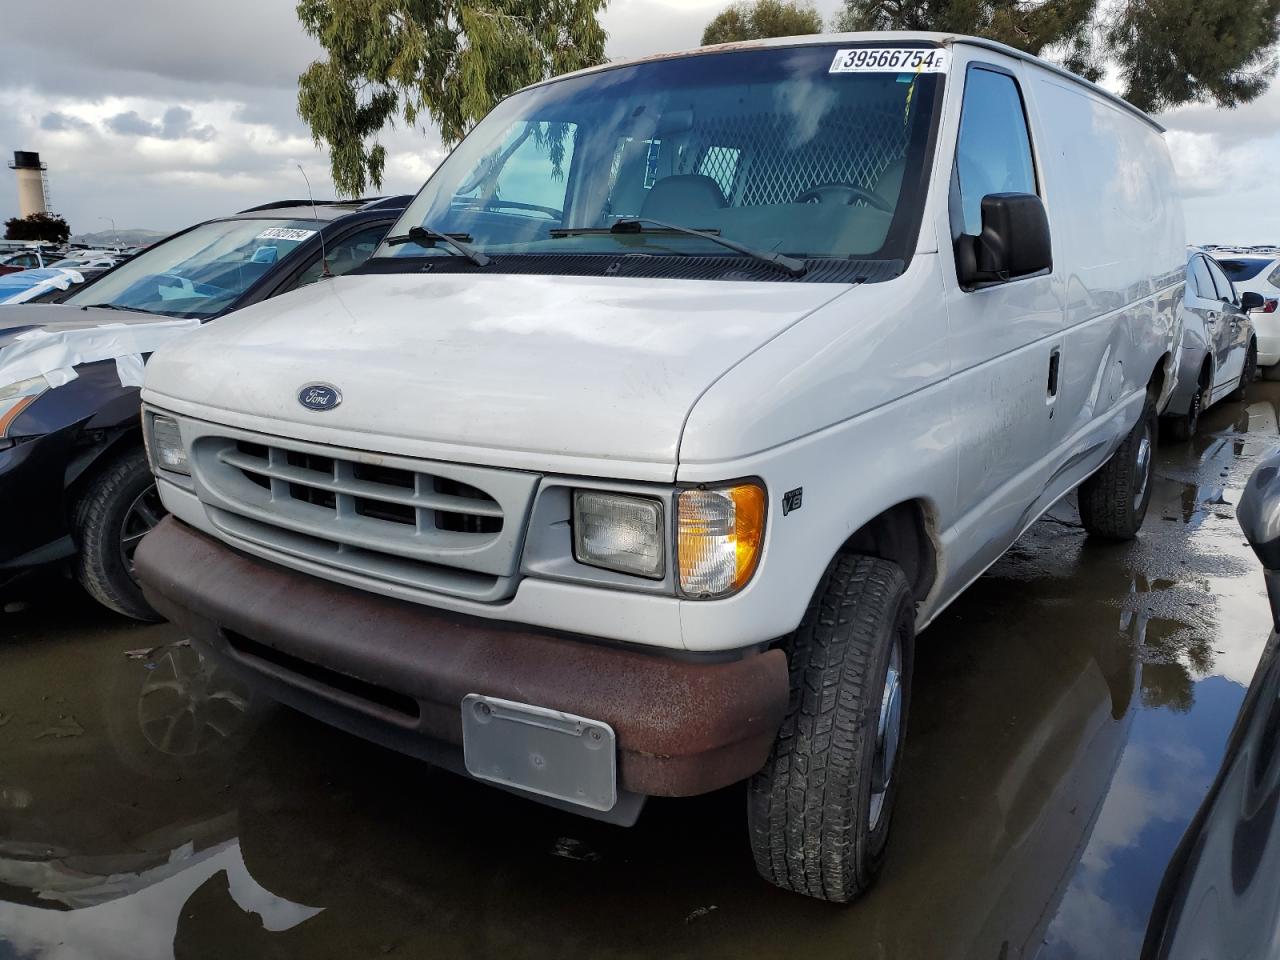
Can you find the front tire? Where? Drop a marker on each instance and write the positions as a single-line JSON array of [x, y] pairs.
[[1113, 502], [819, 811], [1247, 375], [1184, 427], [117, 508]]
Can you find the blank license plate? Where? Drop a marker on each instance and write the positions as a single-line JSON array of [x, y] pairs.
[[543, 751]]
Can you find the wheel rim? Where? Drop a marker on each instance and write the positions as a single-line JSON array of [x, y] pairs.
[[143, 514], [1142, 468], [888, 735]]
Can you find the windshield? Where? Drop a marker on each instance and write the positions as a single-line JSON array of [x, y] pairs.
[[1239, 270], [202, 272], [780, 149]]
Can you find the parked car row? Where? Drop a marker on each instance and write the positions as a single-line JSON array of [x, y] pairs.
[[45, 275], [1220, 347], [634, 456]]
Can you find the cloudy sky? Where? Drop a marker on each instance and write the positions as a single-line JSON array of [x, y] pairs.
[[159, 114]]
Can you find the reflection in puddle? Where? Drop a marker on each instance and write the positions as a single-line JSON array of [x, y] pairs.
[[186, 706], [1070, 712]]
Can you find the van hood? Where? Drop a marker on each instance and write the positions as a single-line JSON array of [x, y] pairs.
[[543, 372]]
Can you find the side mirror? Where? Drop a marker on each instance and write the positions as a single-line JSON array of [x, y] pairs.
[[1015, 241], [1258, 514], [1251, 301]]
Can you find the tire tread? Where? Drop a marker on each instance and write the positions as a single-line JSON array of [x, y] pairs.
[[1106, 498], [804, 808], [97, 566]]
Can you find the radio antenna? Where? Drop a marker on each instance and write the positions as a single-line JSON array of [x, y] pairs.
[[324, 259]]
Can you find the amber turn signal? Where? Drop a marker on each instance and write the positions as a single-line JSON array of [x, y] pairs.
[[719, 536]]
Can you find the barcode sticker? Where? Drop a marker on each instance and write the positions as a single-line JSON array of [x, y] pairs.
[[890, 60], [284, 233]]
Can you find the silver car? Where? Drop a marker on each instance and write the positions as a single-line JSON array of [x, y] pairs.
[[1219, 348]]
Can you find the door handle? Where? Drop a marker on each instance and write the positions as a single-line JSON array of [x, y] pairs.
[[1055, 363], [1211, 319]]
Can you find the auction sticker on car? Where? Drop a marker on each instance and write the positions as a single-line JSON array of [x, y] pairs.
[[890, 60], [284, 233]]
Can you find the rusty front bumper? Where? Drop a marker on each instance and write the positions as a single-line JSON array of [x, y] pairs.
[[396, 672]]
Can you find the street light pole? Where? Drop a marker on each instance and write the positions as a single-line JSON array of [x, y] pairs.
[[114, 232]]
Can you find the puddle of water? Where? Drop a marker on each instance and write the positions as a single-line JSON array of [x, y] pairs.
[[1070, 712]]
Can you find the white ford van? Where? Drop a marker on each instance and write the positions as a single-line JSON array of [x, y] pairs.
[[683, 396]]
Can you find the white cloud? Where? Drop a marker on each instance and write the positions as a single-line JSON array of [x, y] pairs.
[[151, 163]]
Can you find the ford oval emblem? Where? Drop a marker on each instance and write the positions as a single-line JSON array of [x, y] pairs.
[[319, 396]]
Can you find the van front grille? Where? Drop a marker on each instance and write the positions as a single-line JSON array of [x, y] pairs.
[[440, 527]]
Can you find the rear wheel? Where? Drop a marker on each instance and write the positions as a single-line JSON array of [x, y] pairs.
[[1247, 375], [117, 509], [1113, 502], [820, 809]]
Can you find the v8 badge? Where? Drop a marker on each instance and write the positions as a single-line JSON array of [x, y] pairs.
[[792, 499]]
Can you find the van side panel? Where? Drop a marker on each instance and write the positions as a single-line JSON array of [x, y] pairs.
[[1116, 223], [1119, 238]]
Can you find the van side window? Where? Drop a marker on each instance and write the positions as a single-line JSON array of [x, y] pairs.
[[993, 152], [1274, 279], [1202, 281]]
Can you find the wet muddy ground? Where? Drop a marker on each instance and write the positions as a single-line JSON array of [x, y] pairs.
[[1070, 711]]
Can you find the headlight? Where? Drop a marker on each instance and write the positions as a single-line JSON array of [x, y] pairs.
[[719, 535], [16, 397], [618, 533], [165, 446]]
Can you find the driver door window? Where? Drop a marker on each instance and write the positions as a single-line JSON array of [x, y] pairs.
[[993, 152]]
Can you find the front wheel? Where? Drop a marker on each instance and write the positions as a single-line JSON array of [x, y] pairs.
[[1113, 502], [1247, 375], [1183, 427], [819, 811], [116, 510]]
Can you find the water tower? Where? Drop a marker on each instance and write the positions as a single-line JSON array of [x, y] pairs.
[[33, 187]]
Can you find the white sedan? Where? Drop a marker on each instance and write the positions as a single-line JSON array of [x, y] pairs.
[[1261, 274]]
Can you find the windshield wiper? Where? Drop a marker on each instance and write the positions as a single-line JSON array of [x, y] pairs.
[[791, 265], [423, 237], [113, 306]]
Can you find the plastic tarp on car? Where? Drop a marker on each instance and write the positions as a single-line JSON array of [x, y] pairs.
[[53, 355], [28, 284]]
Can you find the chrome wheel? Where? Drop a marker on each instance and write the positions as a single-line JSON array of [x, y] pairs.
[[1142, 469], [143, 514], [888, 735]]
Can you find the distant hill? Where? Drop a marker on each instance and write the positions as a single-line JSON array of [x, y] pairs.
[[128, 238]]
